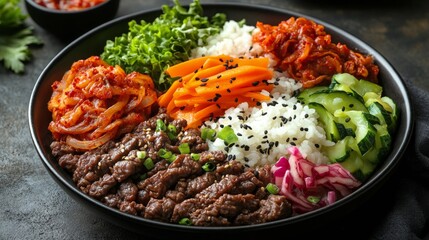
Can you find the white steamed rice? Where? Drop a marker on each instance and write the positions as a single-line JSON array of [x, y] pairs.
[[265, 132]]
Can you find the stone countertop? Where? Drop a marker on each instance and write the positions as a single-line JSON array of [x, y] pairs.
[[33, 206]]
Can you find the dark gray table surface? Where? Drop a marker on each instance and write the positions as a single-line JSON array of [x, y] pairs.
[[33, 206]]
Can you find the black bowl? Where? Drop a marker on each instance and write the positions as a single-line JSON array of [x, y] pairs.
[[71, 24], [93, 42]]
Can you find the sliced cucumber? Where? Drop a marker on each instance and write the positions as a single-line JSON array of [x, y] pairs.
[[340, 151], [357, 166], [336, 101], [303, 95], [334, 131], [382, 145], [393, 113], [366, 86], [376, 109], [345, 79], [347, 82], [357, 118], [365, 131]]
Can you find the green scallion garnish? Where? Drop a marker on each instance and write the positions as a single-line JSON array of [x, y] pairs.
[[313, 199], [171, 128], [141, 155], [195, 156], [160, 125], [209, 167], [185, 221], [184, 148], [227, 134], [208, 133], [272, 188], [148, 163]]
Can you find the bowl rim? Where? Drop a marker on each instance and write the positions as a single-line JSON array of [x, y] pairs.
[[71, 12], [374, 182]]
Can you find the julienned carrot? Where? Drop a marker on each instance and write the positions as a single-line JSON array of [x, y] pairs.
[[184, 68], [210, 85], [229, 76], [203, 73], [165, 98], [236, 83]]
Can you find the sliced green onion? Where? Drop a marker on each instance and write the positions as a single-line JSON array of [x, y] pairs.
[[148, 163], [313, 199], [209, 167], [227, 134], [141, 155], [185, 221], [160, 125], [143, 176], [172, 132], [195, 156], [167, 155], [171, 136], [171, 128], [208, 133], [164, 153], [184, 148], [171, 158], [272, 188]]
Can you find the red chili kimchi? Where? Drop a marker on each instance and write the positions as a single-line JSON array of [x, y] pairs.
[[306, 53], [68, 5], [95, 102]]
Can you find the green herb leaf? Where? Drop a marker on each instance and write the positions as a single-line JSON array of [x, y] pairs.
[[15, 37]]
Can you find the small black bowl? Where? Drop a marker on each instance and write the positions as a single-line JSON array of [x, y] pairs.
[[71, 24]]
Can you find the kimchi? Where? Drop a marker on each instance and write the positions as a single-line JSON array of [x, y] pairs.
[[95, 102], [306, 52]]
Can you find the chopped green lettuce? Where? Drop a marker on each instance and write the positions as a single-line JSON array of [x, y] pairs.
[[151, 47]]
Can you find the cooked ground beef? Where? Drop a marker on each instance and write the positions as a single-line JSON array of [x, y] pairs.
[[231, 194]]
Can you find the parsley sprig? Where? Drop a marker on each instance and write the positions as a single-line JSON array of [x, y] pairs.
[[15, 37]]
